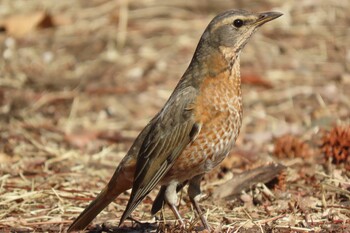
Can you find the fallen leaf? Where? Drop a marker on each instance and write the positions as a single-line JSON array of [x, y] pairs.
[[81, 139], [21, 24], [256, 80], [7, 159]]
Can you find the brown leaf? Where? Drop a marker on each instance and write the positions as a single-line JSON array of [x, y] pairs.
[[113, 136], [81, 139], [7, 159], [21, 24], [256, 80]]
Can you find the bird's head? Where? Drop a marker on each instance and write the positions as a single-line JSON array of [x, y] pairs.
[[232, 29]]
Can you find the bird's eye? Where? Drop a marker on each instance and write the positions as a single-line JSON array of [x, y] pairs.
[[238, 23]]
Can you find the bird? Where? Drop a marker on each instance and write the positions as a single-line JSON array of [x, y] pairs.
[[194, 131]]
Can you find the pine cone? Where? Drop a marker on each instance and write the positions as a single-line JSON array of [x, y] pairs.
[[336, 145], [289, 146]]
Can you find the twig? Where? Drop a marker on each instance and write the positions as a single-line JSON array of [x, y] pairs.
[[271, 219], [123, 24], [299, 229], [47, 223]]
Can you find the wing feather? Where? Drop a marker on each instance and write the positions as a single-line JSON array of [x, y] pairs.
[[171, 132]]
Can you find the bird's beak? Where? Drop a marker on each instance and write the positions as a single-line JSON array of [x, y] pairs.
[[266, 17]]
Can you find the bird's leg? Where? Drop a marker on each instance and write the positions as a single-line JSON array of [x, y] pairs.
[[159, 202], [171, 199], [177, 215], [194, 191]]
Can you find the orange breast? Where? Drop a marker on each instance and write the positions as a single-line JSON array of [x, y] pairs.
[[219, 109]]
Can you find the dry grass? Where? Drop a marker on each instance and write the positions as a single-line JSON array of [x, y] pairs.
[[74, 96]]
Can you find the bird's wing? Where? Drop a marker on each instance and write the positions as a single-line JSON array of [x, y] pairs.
[[173, 129]]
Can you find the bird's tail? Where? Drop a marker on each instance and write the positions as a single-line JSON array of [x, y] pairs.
[[117, 185], [90, 212]]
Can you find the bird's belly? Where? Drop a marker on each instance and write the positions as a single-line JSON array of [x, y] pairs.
[[211, 146]]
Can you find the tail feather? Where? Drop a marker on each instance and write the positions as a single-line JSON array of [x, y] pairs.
[[95, 207], [120, 182]]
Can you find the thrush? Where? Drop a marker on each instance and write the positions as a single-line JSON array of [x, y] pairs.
[[194, 131]]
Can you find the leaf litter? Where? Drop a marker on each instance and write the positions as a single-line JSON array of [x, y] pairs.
[[79, 80]]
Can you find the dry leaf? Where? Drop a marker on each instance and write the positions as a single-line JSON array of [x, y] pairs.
[[256, 80], [5, 158], [21, 24], [81, 139]]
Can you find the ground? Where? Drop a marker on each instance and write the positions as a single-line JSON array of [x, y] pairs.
[[80, 79]]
